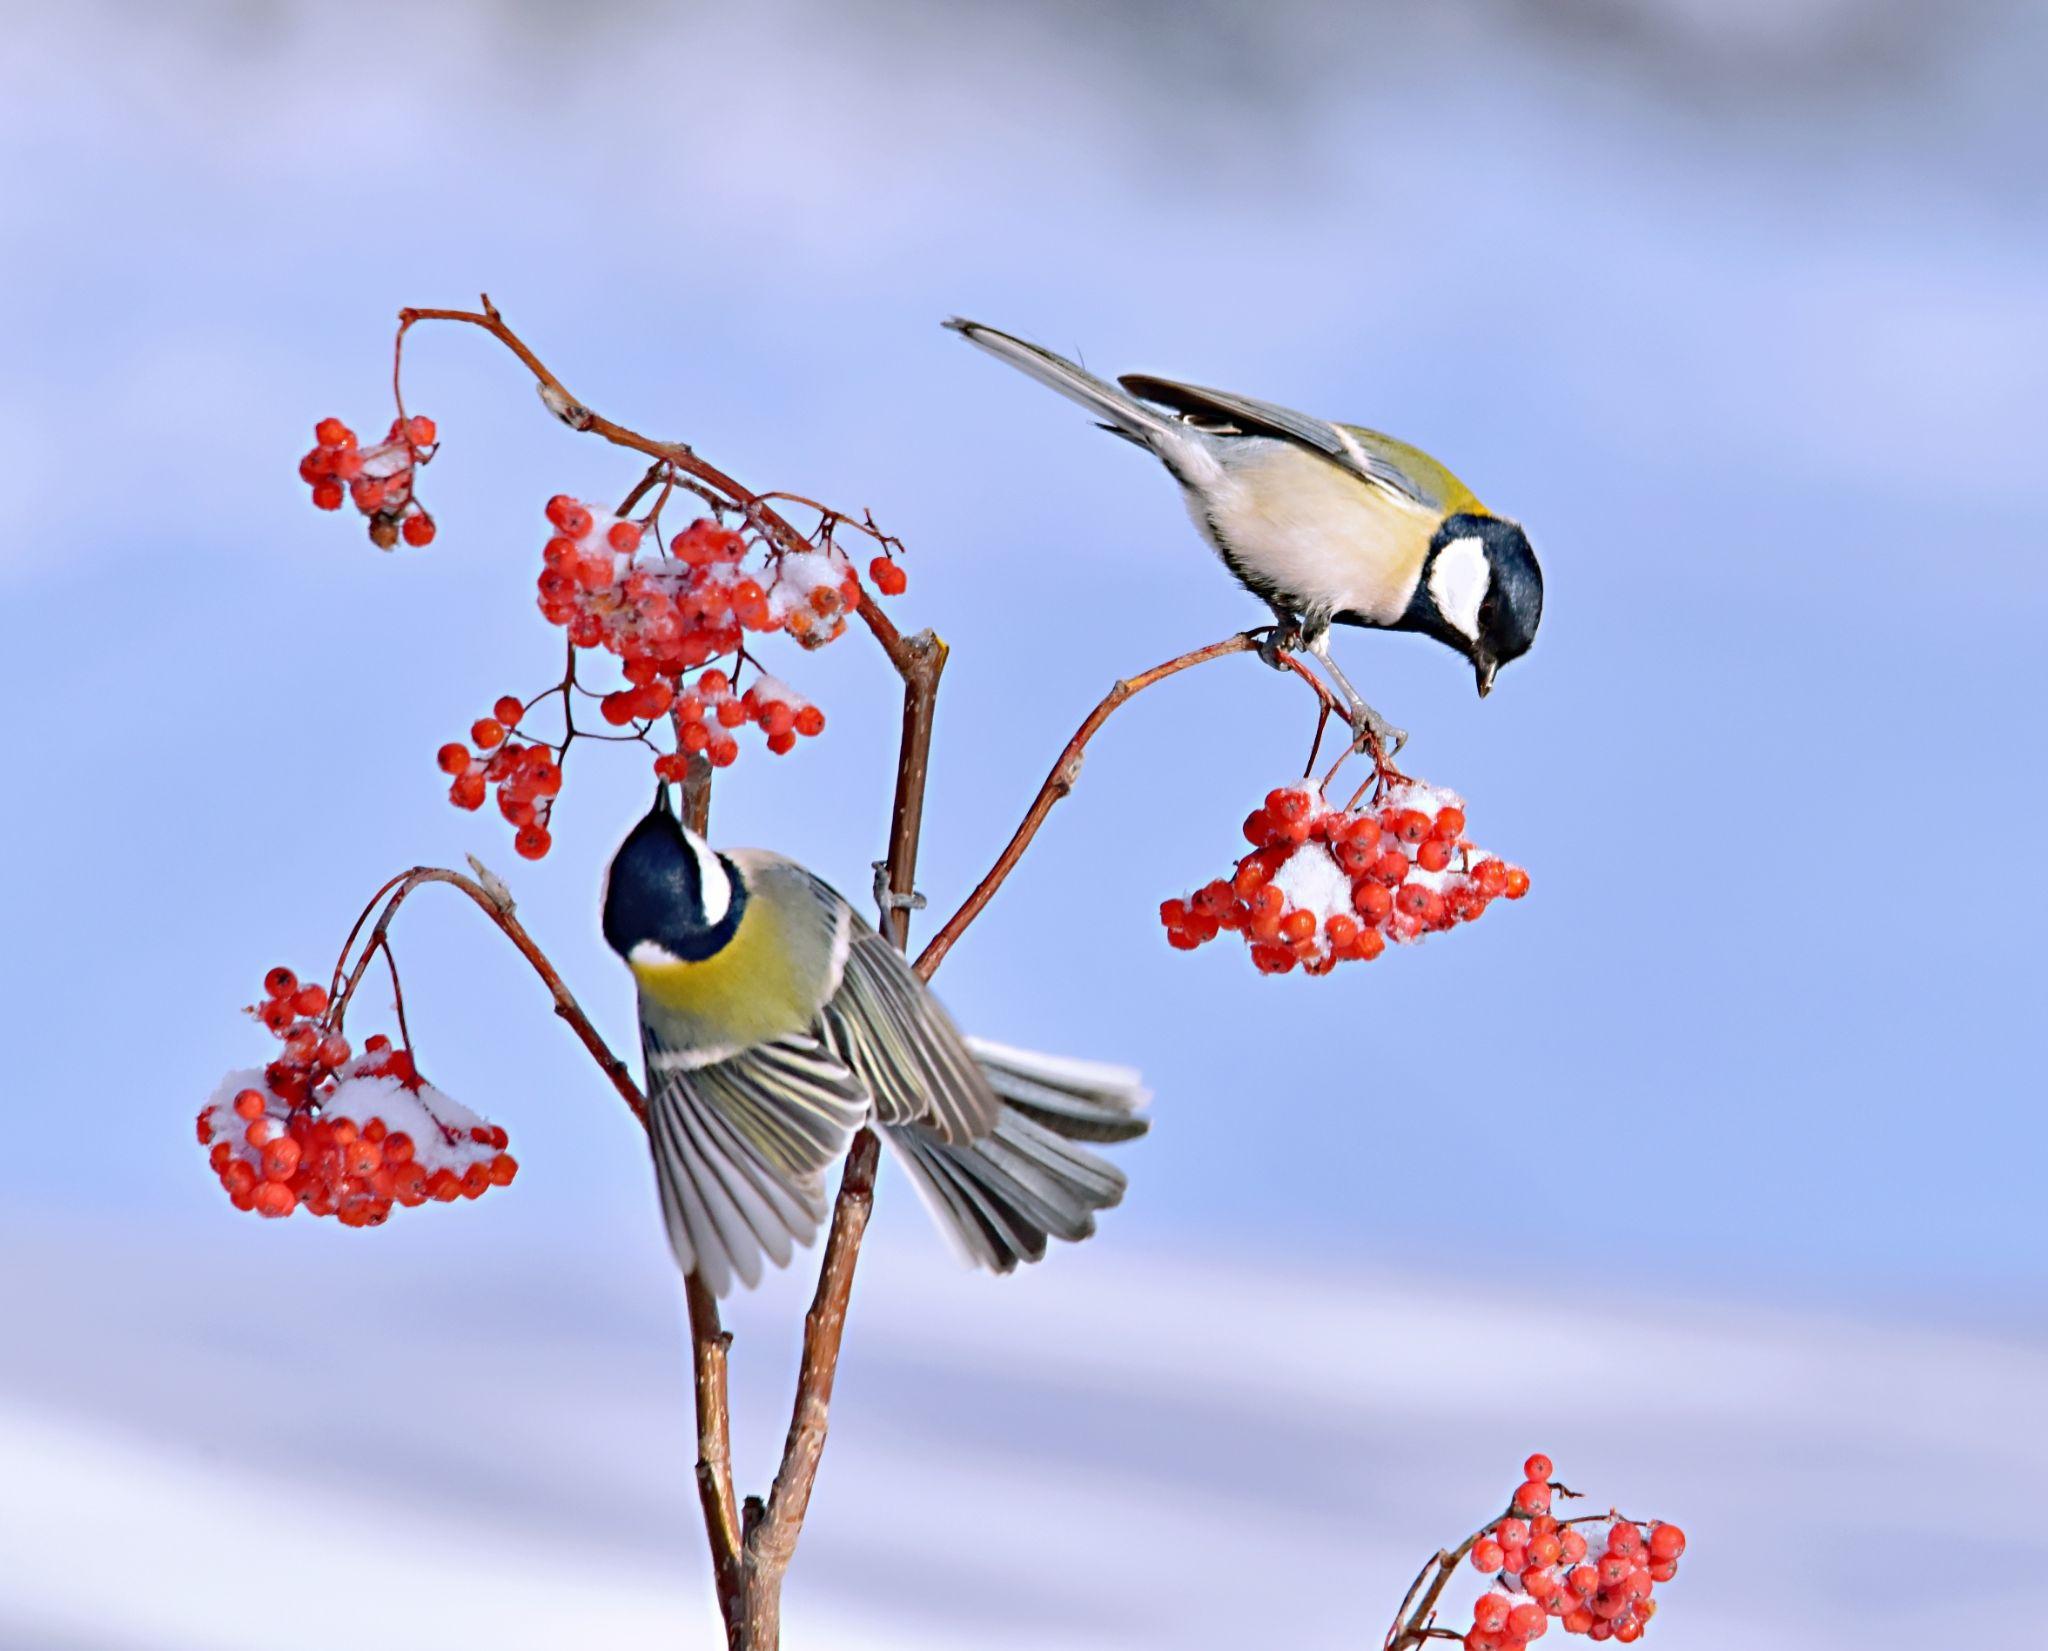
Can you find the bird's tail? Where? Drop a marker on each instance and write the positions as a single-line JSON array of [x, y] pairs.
[[1121, 413], [999, 1198]]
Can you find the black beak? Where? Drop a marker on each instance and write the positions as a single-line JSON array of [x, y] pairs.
[[1484, 668], [662, 805]]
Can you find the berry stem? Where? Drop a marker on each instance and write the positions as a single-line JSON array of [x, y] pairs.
[[1067, 770], [395, 893]]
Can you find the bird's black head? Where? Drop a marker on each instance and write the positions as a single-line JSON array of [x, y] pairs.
[[667, 894], [1481, 592]]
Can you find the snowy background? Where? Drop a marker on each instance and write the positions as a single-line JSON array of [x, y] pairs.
[[1712, 1169]]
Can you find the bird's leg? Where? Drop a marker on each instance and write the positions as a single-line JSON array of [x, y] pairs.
[[1368, 727]]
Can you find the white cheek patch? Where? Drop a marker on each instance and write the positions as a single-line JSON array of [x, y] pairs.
[[650, 952], [715, 886], [1458, 582]]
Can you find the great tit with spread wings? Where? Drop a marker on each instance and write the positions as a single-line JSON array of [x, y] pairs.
[[775, 1023], [1326, 523]]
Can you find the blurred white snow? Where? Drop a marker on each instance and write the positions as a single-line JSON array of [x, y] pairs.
[[276, 1439]]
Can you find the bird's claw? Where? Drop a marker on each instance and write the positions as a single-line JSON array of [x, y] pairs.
[[888, 899], [1371, 732], [1276, 642]]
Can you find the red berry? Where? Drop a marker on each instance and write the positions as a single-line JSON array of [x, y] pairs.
[[1487, 1555], [468, 790], [1539, 1466], [1533, 1497], [418, 528], [532, 841], [569, 516], [1490, 1612], [723, 751], [889, 578], [810, 721], [1449, 824], [454, 758], [327, 495], [331, 432], [1666, 1541], [1517, 883], [273, 1200], [1433, 854], [280, 982], [1411, 825], [420, 432], [249, 1103]]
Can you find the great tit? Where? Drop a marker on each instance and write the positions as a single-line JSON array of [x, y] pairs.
[[775, 1022], [1325, 523]]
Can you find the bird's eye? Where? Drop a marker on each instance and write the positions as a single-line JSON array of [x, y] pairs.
[[1486, 613]]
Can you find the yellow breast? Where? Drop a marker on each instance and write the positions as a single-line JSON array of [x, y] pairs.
[[748, 991]]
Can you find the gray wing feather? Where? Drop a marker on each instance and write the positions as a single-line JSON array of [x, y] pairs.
[[739, 1150], [1266, 418], [886, 1025]]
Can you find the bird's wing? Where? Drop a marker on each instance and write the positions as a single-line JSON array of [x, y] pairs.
[[884, 1023], [1262, 418], [740, 1146], [879, 1018]]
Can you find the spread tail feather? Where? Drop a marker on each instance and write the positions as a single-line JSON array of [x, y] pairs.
[[1178, 446], [1000, 1198]]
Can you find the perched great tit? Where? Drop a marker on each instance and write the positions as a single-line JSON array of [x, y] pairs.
[[775, 1023], [1325, 523]]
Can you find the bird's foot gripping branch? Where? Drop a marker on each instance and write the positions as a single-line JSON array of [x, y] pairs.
[[664, 628]]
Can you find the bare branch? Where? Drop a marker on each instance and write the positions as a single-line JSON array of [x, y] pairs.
[[1066, 770]]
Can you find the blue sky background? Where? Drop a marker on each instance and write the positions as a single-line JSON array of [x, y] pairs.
[[1737, 307]]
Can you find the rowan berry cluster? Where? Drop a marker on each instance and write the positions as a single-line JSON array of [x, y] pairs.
[[376, 480], [709, 712], [527, 777], [1592, 1576], [1324, 885], [669, 613], [340, 1134]]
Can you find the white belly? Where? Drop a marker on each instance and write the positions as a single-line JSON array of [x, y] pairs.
[[1325, 537]]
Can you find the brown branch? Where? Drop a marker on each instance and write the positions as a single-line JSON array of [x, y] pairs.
[[710, 1341], [751, 1549], [710, 1351], [679, 455], [774, 1526], [1067, 770]]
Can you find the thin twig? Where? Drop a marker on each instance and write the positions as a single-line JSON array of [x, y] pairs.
[[566, 1005], [1067, 770]]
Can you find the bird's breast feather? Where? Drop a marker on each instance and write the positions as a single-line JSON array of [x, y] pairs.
[[1306, 527]]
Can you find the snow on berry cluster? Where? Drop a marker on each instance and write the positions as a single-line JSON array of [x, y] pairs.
[[1592, 1576], [666, 614], [376, 480], [528, 777], [340, 1134], [1324, 885]]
